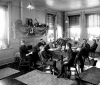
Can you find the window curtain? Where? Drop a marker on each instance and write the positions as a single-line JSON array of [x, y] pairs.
[[51, 23], [3, 27], [93, 26], [74, 26]]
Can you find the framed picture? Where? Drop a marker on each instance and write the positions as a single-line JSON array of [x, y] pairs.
[[29, 22]]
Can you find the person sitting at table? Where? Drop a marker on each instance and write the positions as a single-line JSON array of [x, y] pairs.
[[83, 53], [47, 47], [44, 53], [94, 46], [59, 47], [46, 56], [41, 42], [35, 56], [70, 60], [24, 53]]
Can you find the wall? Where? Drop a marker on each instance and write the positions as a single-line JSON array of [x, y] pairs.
[[83, 22], [17, 11]]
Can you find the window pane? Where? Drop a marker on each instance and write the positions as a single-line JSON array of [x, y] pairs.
[[93, 25], [3, 27], [51, 24], [74, 27]]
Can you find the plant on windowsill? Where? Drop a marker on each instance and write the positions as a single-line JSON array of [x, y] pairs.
[[3, 44]]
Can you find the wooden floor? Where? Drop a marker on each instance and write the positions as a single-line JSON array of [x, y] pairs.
[[11, 81]]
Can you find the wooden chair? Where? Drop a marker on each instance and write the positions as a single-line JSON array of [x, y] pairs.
[[92, 53], [76, 68], [84, 58], [23, 63], [50, 63]]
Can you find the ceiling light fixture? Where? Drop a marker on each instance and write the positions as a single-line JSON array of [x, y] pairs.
[[30, 6]]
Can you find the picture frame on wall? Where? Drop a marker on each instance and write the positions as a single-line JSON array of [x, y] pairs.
[[29, 22]]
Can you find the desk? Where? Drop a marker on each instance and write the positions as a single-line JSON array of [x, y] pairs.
[[58, 54], [91, 75]]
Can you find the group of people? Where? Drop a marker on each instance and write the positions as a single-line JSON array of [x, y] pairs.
[[41, 52], [85, 49]]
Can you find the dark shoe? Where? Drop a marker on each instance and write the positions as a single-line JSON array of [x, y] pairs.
[[60, 75], [82, 70], [68, 76], [32, 67]]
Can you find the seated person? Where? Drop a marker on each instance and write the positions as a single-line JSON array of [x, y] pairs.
[[35, 55], [24, 51], [47, 47], [84, 53], [76, 44], [58, 47], [85, 48], [46, 56], [70, 60], [25, 54], [44, 53], [42, 42], [94, 46]]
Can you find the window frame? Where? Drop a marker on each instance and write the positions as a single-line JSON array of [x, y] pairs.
[[54, 25], [69, 27], [5, 6], [92, 36]]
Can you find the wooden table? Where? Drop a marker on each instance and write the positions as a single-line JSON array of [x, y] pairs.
[[57, 54]]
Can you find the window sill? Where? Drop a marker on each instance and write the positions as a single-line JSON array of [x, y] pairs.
[[6, 49]]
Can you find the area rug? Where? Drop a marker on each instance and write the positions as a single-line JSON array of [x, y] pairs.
[[7, 72], [91, 75], [40, 78]]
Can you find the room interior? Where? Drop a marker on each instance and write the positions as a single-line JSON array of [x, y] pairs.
[[62, 12]]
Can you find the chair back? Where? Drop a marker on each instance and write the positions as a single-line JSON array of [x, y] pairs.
[[96, 47], [76, 60], [42, 60]]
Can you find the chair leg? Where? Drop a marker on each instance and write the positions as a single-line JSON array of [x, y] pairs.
[[77, 73], [19, 66], [89, 60]]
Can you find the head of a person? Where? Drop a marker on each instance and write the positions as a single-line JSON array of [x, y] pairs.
[[94, 40], [22, 42], [41, 40], [69, 45], [30, 20], [41, 47], [47, 47], [85, 41]]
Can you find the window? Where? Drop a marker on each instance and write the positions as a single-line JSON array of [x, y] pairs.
[[3, 27], [51, 23], [93, 26], [74, 27]]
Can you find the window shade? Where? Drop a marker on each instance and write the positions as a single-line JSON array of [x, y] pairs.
[[74, 20], [51, 20], [74, 27], [93, 26], [93, 20]]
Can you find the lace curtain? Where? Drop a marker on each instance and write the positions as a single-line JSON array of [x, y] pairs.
[[3, 27], [51, 23], [74, 26], [93, 26]]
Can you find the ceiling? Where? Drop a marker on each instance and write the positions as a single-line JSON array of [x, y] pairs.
[[64, 5]]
